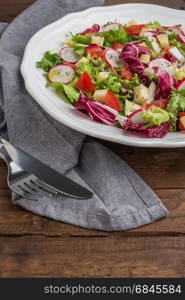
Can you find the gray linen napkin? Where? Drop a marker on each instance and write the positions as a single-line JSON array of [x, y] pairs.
[[121, 200]]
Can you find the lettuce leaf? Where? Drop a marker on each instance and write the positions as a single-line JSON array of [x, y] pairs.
[[173, 41], [82, 39], [113, 84], [175, 105], [154, 25], [155, 116], [68, 89], [84, 67], [49, 61], [117, 35], [131, 84]]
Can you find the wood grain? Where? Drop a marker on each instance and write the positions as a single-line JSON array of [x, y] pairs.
[[34, 246], [92, 257], [178, 4]]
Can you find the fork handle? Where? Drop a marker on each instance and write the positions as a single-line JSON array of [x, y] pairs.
[[4, 155]]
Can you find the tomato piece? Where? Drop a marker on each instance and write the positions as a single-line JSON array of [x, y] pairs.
[[162, 103], [126, 73], [94, 50], [135, 29], [85, 83], [117, 46], [112, 101], [181, 124]]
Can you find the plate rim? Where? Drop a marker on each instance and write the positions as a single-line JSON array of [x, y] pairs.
[[126, 140]]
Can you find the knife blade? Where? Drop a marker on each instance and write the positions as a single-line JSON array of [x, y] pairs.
[[52, 178]]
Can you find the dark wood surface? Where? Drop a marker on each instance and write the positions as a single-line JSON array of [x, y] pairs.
[[33, 246]]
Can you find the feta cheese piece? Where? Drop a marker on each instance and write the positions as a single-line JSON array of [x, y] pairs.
[[103, 76], [163, 40], [145, 58], [99, 95], [140, 94], [98, 40]]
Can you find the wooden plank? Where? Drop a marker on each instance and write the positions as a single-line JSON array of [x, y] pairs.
[[3, 175], [178, 4], [11, 8], [16, 221], [95, 257]]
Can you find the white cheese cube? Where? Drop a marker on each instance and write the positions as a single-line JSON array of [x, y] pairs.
[[140, 94], [98, 40], [145, 58], [103, 76], [163, 40], [99, 95]]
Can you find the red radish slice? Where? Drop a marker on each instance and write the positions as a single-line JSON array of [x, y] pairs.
[[61, 73], [68, 55], [112, 58], [163, 64], [181, 85], [110, 26], [136, 116]]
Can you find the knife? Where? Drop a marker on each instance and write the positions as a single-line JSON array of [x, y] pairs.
[[52, 178]]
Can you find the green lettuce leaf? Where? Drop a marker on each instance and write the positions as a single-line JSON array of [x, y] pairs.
[[154, 25], [131, 84], [155, 116], [49, 61], [176, 104], [114, 84], [82, 39], [173, 41], [69, 90], [117, 35], [84, 66]]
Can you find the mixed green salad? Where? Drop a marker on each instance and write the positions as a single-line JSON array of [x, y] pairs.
[[131, 76]]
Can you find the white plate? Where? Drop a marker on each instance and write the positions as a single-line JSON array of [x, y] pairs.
[[53, 35]]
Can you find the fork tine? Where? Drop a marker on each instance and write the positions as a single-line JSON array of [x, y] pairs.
[[25, 193], [30, 187], [42, 186]]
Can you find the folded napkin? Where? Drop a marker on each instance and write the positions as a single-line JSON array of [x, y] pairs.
[[121, 200]]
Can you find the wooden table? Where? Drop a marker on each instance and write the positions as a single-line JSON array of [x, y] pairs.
[[33, 246]]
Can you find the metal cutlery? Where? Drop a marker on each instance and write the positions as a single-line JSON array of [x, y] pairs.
[[30, 178]]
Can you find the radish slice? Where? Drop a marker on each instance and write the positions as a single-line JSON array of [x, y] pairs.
[[68, 55], [136, 116], [162, 64], [112, 58], [181, 85], [61, 73], [110, 26], [176, 53], [121, 120]]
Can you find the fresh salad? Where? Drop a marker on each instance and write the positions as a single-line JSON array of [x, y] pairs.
[[131, 76]]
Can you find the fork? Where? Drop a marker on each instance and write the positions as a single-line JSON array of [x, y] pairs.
[[25, 184]]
